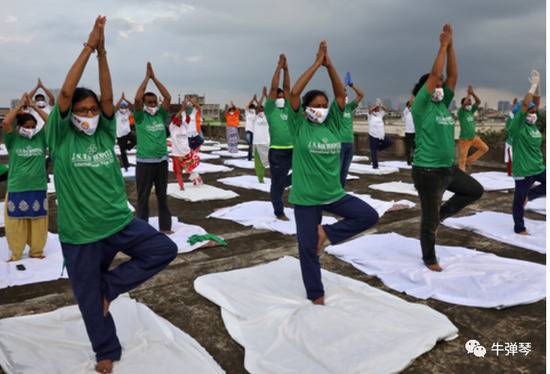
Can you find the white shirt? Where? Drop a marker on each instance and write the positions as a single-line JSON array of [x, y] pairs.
[[376, 124], [122, 123], [179, 138], [192, 125], [260, 130], [250, 117], [408, 118]]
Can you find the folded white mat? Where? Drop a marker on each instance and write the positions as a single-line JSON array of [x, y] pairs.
[[240, 163], [203, 192], [130, 173], [500, 226], [250, 182], [367, 169], [208, 156], [395, 164], [361, 329], [537, 205], [204, 168], [182, 232], [37, 270], [406, 188], [210, 142], [468, 278], [56, 342], [382, 206], [240, 146], [210, 147], [350, 177], [259, 214], [494, 180], [238, 154], [358, 158]]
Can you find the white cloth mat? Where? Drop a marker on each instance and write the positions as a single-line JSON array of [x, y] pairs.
[[469, 277], [500, 226], [182, 232], [361, 329], [494, 180], [203, 192], [37, 270], [405, 188], [395, 164], [358, 158], [210, 147], [240, 163], [207, 156], [250, 182], [382, 206], [3, 150], [367, 169], [240, 146], [132, 159], [204, 168], [238, 154], [51, 184], [56, 342], [537, 205], [131, 173], [259, 214]]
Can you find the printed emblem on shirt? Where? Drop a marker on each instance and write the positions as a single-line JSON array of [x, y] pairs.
[[92, 158], [324, 147], [445, 120], [535, 133], [29, 151], [284, 116], [347, 115], [155, 127]]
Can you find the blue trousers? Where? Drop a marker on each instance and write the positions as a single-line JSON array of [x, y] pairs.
[[280, 163], [377, 145], [91, 280], [358, 217], [523, 190], [249, 136], [346, 155]]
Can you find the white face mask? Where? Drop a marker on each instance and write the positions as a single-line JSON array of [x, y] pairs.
[[152, 110], [27, 133], [317, 115], [252, 111], [261, 114], [123, 110], [531, 118], [41, 104], [438, 94], [87, 125], [280, 103], [468, 107], [347, 100]]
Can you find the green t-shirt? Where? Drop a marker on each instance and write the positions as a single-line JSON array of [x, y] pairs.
[[27, 161], [277, 118], [3, 169], [91, 194], [434, 127], [316, 158], [467, 123], [346, 131], [151, 133], [527, 157]]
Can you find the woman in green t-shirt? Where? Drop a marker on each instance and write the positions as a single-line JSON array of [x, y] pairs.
[[316, 187], [527, 160], [434, 170], [26, 208], [93, 217]]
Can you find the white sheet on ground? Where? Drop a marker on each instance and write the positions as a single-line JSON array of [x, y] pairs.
[[250, 182], [395, 164], [182, 232], [500, 226], [367, 169], [210, 147], [132, 159], [240, 146], [203, 192], [494, 180], [3, 150], [259, 214], [132, 151], [204, 168], [36, 270], [350, 177], [56, 342], [382, 206], [358, 158], [469, 277], [361, 329], [207, 156], [537, 205], [130, 173], [240, 163], [401, 187], [238, 154]]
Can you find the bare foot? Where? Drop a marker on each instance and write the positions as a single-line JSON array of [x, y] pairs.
[[435, 267], [398, 207], [283, 217], [40, 257], [167, 232], [524, 233], [319, 301], [104, 366], [321, 242], [106, 305]]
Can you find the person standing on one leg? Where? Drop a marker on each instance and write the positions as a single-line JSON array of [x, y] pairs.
[[468, 137], [126, 139], [40, 99], [93, 217], [261, 139], [184, 159], [280, 149], [315, 128], [232, 121], [152, 157], [434, 170], [378, 140], [409, 131], [528, 162], [250, 117], [346, 152], [508, 144]]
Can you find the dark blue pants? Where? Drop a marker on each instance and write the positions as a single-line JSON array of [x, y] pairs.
[[249, 136], [524, 190], [377, 145], [280, 163], [358, 217], [91, 280], [346, 155]]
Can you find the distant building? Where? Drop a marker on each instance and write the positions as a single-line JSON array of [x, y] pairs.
[[504, 106]]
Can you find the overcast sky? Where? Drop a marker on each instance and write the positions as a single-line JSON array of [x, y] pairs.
[[228, 49]]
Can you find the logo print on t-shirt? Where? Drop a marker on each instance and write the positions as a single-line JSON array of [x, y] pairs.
[[92, 158], [29, 151]]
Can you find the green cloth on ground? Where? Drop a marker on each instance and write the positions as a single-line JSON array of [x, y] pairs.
[[194, 239], [258, 166]]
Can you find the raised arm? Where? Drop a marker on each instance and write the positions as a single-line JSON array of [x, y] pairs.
[[75, 73], [473, 94], [534, 80], [252, 101], [276, 78], [286, 78], [437, 67], [337, 84], [452, 68], [138, 100], [264, 95], [33, 105], [301, 83], [49, 93], [9, 120], [167, 98], [35, 89], [105, 84]]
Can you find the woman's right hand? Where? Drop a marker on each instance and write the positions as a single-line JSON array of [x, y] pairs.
[[446, 36], [321, 53], [95, 35]]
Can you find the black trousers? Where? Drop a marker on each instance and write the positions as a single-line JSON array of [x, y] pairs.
[[377, 145], [125, 143], [410, 145], [431, 184], [148, 174]]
